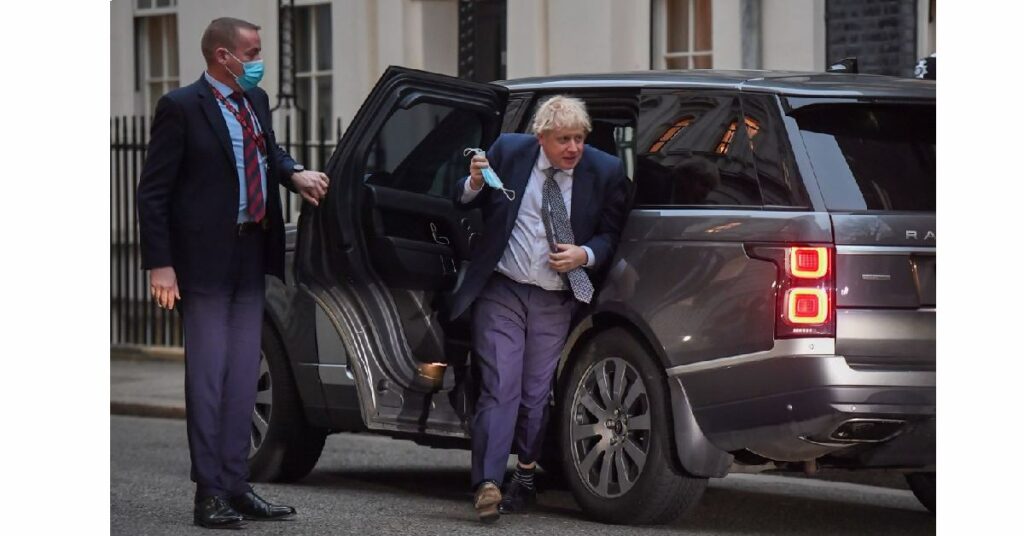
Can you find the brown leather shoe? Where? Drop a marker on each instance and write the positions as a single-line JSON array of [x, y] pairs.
[[486, 501]]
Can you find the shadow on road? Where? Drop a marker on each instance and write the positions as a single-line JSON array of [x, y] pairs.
[[737, 506], [743, 511], [446, 484]]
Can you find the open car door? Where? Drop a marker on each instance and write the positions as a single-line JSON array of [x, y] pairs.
[[383, 252]]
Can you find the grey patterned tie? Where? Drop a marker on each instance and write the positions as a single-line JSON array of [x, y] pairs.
[[559, 231]]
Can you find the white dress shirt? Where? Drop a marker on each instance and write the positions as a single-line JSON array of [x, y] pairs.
[[526, 257]]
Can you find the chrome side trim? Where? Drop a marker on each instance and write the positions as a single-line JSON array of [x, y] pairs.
[[883, 250], [782, 348]]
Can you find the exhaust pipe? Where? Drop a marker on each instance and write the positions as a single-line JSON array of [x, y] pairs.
[[866, 430]]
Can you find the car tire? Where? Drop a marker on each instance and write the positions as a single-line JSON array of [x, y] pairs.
[[283, 447], [620, 466], [923, 486], [550, 459]]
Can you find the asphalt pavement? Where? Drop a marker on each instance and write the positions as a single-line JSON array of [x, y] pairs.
[[370, 484]]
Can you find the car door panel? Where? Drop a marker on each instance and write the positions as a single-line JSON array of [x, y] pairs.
[[411, 239], [382, 252]]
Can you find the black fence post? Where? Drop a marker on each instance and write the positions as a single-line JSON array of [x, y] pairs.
[[137, 316], [115, 230], [123, 232], [288, 149], [321, 136]]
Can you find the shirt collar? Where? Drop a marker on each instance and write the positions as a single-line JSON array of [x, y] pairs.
[[221, 86], [543, 164]]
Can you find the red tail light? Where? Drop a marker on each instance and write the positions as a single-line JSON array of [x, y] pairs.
[[804, 289], [806, 306], [809, 263]]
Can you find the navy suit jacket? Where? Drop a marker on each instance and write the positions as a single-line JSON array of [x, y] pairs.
[[599, 191], [188, 192]]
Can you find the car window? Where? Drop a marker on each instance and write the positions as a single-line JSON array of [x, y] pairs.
[[517, 104], [694, 150], [777, 174], [871, 156], [419, 149]]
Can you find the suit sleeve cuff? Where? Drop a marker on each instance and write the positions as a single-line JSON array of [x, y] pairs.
[[468, 193], [590, 256]]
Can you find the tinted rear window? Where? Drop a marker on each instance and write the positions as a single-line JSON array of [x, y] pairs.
[[871, 156]]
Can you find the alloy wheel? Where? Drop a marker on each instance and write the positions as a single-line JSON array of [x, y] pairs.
[[261, 410], [610, 427]]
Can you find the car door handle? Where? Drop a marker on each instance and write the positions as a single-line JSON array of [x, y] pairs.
[[438, 239]]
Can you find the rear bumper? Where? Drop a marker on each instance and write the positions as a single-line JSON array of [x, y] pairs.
[[789, 407]]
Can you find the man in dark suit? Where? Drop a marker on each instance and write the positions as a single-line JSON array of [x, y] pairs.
[[211, 226], [549, 231]]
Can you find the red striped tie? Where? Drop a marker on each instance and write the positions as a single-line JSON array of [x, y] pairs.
[[254, 191]]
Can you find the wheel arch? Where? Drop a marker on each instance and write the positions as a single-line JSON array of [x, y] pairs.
[[279, 313], [693, 451]]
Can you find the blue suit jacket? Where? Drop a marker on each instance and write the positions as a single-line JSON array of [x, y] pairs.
[[599, 191], [188, 192]]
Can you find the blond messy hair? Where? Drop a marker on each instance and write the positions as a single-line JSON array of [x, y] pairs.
[[561, 112]]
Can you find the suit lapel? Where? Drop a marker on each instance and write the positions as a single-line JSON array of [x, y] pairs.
[[263, 116], [261, 112], [521, 175], [582, 192], [517, 182], [212, 111]]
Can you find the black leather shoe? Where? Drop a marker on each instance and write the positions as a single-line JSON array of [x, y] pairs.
[[517, 498], [216, 513], [253, 507]]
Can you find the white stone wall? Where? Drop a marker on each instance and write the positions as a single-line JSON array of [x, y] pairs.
[[193, 16], [548, 37], [726, 35], [122, 46], [793, 35]]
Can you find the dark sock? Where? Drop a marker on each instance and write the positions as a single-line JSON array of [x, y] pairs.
[[524, 476]]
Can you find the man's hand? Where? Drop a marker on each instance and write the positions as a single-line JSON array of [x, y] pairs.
[[163, 285], [476, 177], [312, 185], [567, 258]]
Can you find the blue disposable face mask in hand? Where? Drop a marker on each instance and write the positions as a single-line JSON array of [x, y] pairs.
[[490, 177]]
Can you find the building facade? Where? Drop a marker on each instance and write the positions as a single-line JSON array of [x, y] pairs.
[[339, 47]]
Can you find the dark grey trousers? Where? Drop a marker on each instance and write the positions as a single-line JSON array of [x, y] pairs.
[[222, 354], [518, 334]]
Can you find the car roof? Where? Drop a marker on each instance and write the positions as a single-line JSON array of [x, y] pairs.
[[790, 83]]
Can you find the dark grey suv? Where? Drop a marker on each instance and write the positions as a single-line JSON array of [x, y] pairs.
[[771, 304]]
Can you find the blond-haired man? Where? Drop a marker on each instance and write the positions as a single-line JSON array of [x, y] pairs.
[[546, 241]]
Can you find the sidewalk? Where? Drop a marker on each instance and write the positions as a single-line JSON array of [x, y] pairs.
[[147, 384]]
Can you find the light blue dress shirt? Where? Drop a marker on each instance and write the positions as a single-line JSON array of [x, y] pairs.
[[526, 257], [235, 131]]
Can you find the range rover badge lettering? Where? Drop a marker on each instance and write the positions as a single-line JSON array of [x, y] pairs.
[[913, 235]]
